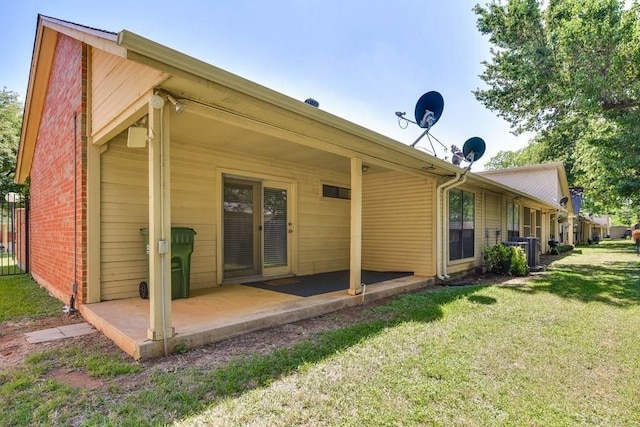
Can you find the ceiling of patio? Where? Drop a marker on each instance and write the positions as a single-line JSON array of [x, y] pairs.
[[222, 136]]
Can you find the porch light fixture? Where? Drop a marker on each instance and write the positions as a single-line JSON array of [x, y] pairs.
[[179, 106], [365, 168], [156, 101]]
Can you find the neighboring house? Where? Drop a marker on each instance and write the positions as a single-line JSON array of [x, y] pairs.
[[588, 228], [592, 229], [122, 134], [547, 182]]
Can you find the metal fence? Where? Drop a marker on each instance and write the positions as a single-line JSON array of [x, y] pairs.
[[14, 234]]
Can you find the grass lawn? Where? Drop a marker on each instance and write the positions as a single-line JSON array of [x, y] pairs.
[[21, 298], [560, 350]]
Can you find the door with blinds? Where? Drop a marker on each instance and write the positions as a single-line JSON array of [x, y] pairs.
[[257, 228]]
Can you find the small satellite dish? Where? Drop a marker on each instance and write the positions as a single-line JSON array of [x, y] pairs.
[[473, 149], [429, 109], [312, 102], [564, 201]]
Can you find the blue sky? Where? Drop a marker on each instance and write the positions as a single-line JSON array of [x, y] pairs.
[[362, 60]]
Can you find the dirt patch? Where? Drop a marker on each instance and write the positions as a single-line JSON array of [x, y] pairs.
[[75, 378], [14, 347]]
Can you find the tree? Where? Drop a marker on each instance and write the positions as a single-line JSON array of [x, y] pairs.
[[574, 57], [570, 71], [10, 126]]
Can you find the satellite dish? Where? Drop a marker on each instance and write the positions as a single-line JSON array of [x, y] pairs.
[[564, 201], [473, 149], [312, 102], [429, 109]]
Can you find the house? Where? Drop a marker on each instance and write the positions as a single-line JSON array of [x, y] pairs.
[[547, 182], [593, 228], [588, 228], [124, 139]]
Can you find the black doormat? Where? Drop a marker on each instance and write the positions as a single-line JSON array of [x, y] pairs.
[[306, 286]]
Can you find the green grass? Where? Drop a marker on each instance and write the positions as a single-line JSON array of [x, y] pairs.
[[21, 298], [561, 350], [8, 265]]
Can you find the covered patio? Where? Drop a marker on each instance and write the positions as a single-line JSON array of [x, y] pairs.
[[214, 314]]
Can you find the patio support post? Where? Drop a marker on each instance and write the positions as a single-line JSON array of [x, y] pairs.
[[355, 276], [160, 321]]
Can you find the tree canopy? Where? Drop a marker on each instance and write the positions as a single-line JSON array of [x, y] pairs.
[[569, 70], [10, 126]]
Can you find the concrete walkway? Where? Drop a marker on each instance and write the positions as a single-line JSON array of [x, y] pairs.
[[67, 331]]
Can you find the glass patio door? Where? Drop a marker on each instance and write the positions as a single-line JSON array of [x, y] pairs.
[[241, 228], [277, 228], [257, 228]]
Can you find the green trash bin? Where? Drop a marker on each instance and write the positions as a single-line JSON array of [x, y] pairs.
[[181, 249]]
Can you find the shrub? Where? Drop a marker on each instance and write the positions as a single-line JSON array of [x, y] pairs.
[[565, 248], [497, 258], [503, 259], [518, 265]]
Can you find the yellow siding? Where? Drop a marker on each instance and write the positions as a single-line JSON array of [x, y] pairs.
[[321, 232], [123, 212], [398, 223], [116, 84], [493, 218]]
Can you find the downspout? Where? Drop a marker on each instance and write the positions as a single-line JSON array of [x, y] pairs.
[[441, 264], [74, 285]]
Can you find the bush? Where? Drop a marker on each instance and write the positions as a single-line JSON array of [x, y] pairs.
[[565, 248], [518, 265], [503, 259], [497, 258]]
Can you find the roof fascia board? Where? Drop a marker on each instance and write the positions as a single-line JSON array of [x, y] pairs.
[[41, 63], [542, 166], [103, 40]]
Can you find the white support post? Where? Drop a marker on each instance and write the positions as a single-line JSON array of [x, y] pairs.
[[355, 277], [160, 319], [572, 237]]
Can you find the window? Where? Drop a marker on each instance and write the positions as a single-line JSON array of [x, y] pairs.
[[335, 192], [526, 222], [513, 221], [461, 224]]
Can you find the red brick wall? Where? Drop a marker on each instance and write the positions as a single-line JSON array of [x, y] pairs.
[[57, 216]]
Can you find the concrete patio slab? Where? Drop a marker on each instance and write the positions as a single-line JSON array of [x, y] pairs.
[[214, 314]]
